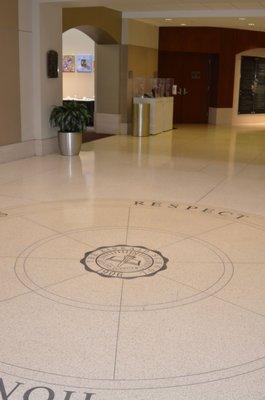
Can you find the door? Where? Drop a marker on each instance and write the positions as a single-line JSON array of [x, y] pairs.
[[191, 74]]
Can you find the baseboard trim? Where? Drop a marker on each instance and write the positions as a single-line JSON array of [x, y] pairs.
[[16, 151], [46, 146], [220, 116], [29, 148], [124, 128], [108, 123]]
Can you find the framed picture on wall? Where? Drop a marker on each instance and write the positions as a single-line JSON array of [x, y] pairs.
[[68, 63], [84, 63]]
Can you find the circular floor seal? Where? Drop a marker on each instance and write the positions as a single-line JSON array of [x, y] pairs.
[[125, 262]]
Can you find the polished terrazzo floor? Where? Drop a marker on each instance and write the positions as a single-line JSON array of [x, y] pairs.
[[137, 270]]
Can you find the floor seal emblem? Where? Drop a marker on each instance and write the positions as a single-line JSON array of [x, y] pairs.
[[124, 262]]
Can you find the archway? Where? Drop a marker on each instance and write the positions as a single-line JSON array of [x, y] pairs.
[[105, 103], [98, 35], [79, 70]]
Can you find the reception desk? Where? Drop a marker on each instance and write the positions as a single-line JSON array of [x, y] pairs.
[[161, 113]]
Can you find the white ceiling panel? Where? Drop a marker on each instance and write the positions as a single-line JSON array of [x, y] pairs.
[[151, 5], [235, 23], [192, 12]]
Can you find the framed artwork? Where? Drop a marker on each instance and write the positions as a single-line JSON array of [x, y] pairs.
[[84, 63], [68, 63]]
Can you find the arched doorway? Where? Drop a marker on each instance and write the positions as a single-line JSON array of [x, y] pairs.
[[104, 27], [106, 76], [79, 69]]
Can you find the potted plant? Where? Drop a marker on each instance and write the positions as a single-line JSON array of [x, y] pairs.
[[71, 119]]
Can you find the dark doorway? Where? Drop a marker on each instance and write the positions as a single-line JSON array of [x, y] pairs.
[[191, 72]]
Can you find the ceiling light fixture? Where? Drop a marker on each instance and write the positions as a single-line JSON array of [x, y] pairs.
[[251, 24], [168, 19], [242, 19], [183, 24]]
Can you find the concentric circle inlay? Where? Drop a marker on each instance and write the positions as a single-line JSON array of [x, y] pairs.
[[155, 283]]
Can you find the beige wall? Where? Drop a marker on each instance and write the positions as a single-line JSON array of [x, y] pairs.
[[50, 91], [142, 42], [26, 68], [142, 61], [108, 79], [139, 59], [10, 125], [76, 84], [245, 119], [105, 19], [139, 34]]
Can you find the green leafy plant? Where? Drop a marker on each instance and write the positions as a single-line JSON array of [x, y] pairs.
[[70, 117]]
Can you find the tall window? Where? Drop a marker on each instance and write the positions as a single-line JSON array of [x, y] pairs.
[[252, 86]]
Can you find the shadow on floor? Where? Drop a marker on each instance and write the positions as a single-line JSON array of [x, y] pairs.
[[90, 136]]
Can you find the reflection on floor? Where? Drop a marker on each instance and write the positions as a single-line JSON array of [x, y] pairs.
[[137, 270]]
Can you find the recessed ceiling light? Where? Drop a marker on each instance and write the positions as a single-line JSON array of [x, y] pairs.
[[251, 24], [183, 24], [242, 19], [168, 19]]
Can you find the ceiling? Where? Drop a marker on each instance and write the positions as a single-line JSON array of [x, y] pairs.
[[216, 13], [234, 23]]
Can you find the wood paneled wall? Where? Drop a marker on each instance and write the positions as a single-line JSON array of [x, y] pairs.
[[224, 43]]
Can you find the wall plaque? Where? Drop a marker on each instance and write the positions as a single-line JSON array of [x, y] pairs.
[[52, 64]]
